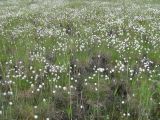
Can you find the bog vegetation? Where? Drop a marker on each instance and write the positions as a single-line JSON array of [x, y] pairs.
[[80, 59]]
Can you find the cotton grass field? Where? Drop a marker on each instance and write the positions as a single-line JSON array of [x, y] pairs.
[[80, 59]]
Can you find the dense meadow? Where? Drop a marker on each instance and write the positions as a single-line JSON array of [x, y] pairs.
[[80, 59]]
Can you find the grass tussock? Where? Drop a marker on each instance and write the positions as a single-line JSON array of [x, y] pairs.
[[79, 60]]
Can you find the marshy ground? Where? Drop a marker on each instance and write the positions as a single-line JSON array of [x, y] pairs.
[[80, 60]]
